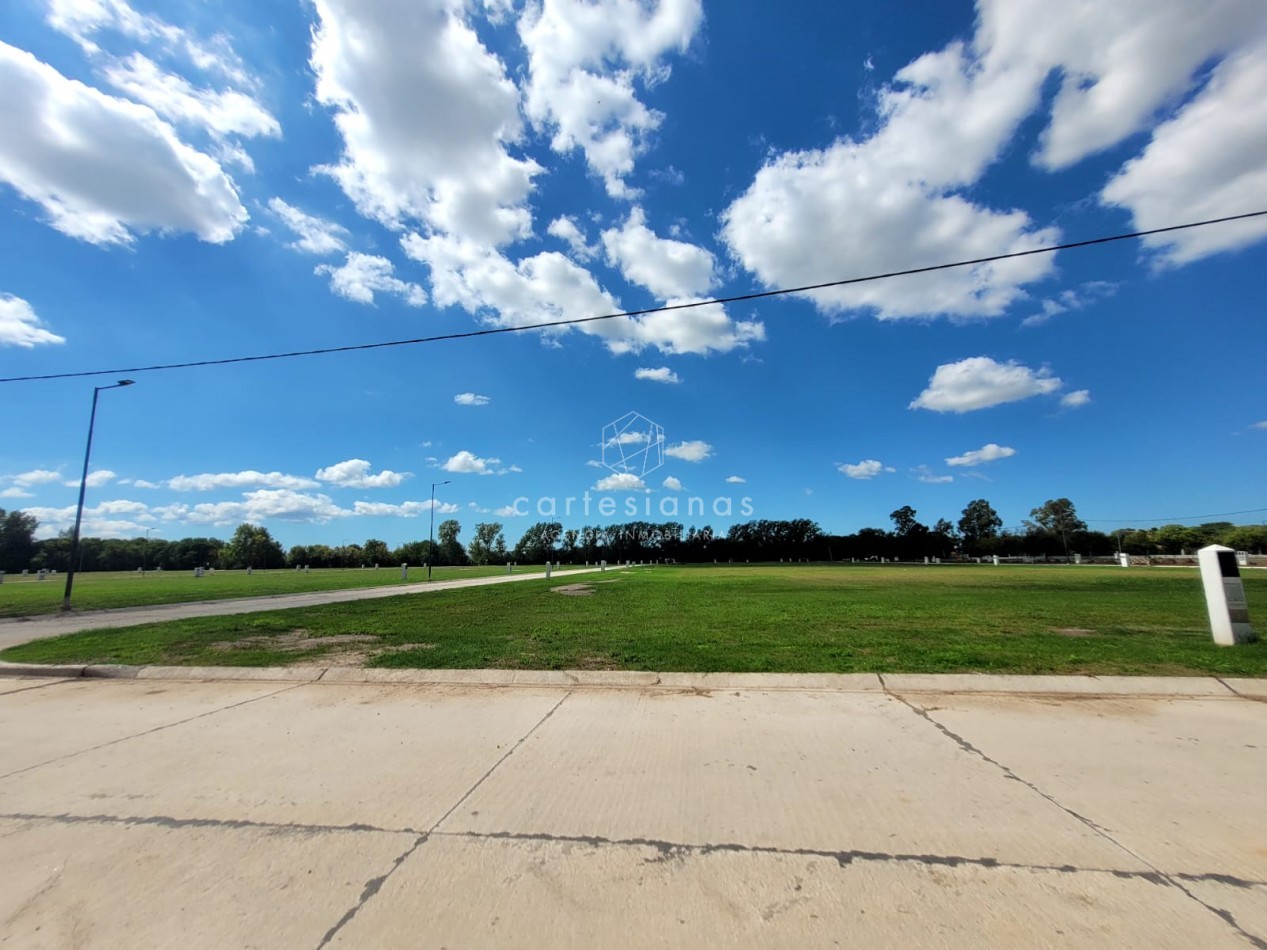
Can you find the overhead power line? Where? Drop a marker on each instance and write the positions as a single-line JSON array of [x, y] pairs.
[[739, 298], [1175, 519]]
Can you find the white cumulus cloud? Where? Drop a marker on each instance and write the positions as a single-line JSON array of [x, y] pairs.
[[1076, 399], [569, 232], [621, 481], [19, 326], [209, 481], [979, 382], [363, 275], [584, 59], [660, 374], [902, 197], [668, 268], [673, 484], [468, 463], [735, 480], [37, 476], [101, 476], [355, 473], [867, 468], [694, 451], [471, 399], [427, 116], [103, 168], [990, 452], [315, 235]]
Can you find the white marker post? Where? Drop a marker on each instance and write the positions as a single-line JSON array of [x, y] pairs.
[[1225, 596]]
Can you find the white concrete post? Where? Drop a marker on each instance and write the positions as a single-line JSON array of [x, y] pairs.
[[547, 570], [996, 560], [1077, 559], [404, 571], [509, 567], [926, 561], [1225, 596], [1124, 559]]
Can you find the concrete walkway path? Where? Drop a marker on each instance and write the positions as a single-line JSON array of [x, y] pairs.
[[705, 811], [26, 629]]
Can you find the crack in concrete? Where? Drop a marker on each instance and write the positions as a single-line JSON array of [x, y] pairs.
[[374, 885], [231, 824], [673, 849], [50, 681], [169, 725], [1172, 880]]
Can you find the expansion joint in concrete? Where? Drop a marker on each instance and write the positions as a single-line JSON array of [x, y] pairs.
[[1172, 880]]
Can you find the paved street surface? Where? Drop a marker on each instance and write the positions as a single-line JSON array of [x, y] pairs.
[[23, 630], [573, 811]]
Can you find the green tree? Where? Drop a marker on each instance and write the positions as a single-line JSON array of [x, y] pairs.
[[17, 540], [904, 521], [252, 546], [537, 543], [376, 552], [483, 545], [450, 550], [1056, 517], [979, 525]]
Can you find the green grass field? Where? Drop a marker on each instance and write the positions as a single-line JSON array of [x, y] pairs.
[[28, 596], [728, 618]]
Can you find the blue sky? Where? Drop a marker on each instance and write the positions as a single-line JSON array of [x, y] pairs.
[[187, 181]]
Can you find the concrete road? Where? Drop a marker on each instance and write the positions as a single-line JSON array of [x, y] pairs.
[[25, 629], [706, 811]]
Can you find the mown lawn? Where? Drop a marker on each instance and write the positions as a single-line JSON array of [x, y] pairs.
[[28, 596], [792, 618]]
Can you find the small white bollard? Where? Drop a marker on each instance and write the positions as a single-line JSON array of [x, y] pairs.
[[250, 571], [547, 570], [926, 560], [306, 566], [602, 566], [198, 572], [1225, 596], [404, 571], [1077, 559], [1124, 559], [996, 560]]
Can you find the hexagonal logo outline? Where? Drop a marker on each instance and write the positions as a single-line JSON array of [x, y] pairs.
[[633, 445]]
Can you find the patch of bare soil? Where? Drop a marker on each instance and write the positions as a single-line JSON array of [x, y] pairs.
[[294, 642], [1074, 632], [574, 590], [591, 661]]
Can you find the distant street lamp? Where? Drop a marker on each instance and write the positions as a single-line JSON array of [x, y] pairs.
[[145, 550], [83, 484], [431, 535]]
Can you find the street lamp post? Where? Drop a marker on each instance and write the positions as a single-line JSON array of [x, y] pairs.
[[83, 484], [431, 535], [145, 550]]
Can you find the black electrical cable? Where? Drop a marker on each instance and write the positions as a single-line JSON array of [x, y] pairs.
[[740, 298]]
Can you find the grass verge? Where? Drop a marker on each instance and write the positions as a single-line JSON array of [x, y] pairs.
[[1022, 620], [29, 597]]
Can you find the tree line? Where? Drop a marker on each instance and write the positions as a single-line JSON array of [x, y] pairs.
[[1053, 529]]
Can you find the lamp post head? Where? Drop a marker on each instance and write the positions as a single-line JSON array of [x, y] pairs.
[[126, 382]]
